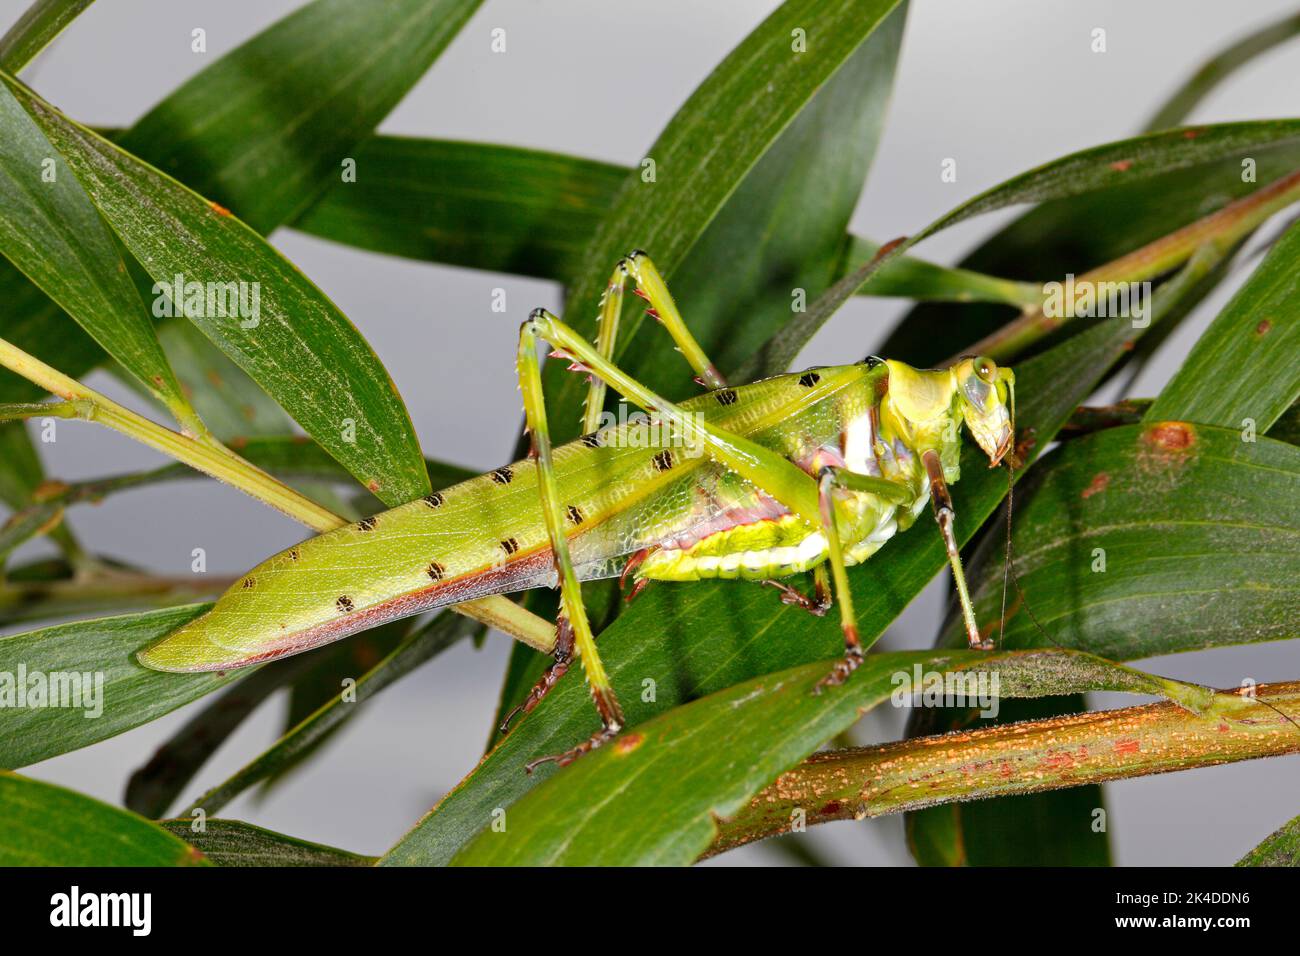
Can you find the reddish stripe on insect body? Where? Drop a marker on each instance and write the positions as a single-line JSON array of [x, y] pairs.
[[466, 587]]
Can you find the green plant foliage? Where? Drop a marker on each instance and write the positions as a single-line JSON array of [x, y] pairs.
[[1167, 524]]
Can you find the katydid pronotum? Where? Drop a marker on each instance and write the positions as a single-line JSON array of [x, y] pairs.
[[810, 471]]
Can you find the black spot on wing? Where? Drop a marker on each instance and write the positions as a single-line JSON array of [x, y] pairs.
[[592, 440], [367, 524], [809, 379], [248, 584], [574, 514], [510, 546], [725, 396], [503, 475], [344, 603], [663, 461], [434, 500], [436, 571]]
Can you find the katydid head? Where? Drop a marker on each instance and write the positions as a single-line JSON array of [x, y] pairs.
[[988, 401]]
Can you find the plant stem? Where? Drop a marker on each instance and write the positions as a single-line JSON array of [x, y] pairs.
[[213, 458], [1020, 758], [1219, 231], [17, 411], [222, 465]]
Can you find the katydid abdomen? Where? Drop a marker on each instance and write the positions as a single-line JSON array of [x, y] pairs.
[[627, 489]]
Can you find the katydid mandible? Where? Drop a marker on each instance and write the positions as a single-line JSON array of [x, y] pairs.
[[810, 471]]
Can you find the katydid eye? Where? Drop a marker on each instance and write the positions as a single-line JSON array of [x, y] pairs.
[[985, 369]]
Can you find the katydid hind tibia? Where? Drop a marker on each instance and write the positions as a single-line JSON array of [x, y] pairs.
[[810, 471]]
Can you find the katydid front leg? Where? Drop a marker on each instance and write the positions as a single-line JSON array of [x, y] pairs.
[[945, 516], [830, 479]]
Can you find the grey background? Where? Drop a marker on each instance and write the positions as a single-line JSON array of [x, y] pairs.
[[1000, 86]]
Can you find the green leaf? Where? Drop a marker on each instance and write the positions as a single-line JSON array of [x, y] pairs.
[[266, 128], [1244, 365], [1219, 67], [417, 648], [47, 825], [154, 787], [1227, 570], [709, 146], [1098, 169], [299, 347], [235, 843], [672, 777], [1282, 848], [102, 653], [500, 208], [529, 212], [51, 231], [40, 23], [695, 639]]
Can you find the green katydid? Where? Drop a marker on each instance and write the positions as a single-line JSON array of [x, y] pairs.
[[810, 471]]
